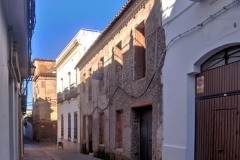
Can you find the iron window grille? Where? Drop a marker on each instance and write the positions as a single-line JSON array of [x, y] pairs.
[[75, 125], [69, 125], [62, 125], [221, 58]]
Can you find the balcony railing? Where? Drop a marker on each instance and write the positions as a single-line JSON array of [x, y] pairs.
[[73, 91], [60, 97], [66, 94]]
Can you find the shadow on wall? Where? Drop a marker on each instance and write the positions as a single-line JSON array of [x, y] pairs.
[[44, 129], [128, 69]]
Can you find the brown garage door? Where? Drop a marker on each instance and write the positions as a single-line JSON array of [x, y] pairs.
[[217, 128], [217, 107]]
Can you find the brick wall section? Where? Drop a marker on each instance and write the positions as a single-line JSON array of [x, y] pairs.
[[125, 78], [44, 100]]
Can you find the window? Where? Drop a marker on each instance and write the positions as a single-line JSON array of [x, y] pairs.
[[69, 125], [101, 64], [119, 129], [90, 84], [84, 128], [69, 78], [140, 48], [101, 127], [62, 126], [118, 56], [75, 125], [62, 83], [221, 58], [84, 82]]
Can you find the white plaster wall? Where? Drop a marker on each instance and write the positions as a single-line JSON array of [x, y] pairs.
[[65, 108], [183, 61], [62, 71], [85, 39], [4, 93], [28, 130]]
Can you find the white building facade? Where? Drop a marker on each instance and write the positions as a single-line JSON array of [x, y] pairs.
[[202, 29], [15, 43], [67, 88]]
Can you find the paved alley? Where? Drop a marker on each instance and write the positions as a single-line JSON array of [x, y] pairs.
[[49, 151]]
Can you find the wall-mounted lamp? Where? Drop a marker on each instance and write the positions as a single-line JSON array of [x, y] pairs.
[[32, 69]]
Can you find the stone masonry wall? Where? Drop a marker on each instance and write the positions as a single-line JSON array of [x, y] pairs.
[[44, 101], [119, 90]]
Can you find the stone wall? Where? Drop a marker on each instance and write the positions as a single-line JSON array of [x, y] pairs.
[[44, 101], [120, 91]]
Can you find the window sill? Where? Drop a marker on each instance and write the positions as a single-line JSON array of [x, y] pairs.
[[101, 145], [119, 149], [68, 138]]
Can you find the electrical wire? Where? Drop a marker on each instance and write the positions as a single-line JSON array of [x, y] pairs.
[[163, 56]]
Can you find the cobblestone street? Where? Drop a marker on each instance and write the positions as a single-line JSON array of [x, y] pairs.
[[49, 151]]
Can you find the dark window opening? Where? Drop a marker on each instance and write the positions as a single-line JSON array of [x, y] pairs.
[[101, 127], [118, 56], [84, 128], [90, 84], [75, 125], [84, 82], [62, 125], [101, 64], [69, 125]]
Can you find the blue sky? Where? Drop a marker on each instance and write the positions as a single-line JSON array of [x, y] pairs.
[[59, 20]]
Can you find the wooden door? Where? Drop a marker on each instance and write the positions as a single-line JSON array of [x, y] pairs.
[[225, 134], [217, 128], [146, 134], [90, 125]]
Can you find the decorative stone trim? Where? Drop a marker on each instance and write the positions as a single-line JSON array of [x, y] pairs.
[[67, 53], [136, 103]]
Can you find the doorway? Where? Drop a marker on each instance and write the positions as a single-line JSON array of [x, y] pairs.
[[217, 107], [146, 133]]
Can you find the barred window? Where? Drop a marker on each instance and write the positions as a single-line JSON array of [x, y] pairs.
[[75, 125], [101, 127], [62, 126], [69, 125], [84, 128], [221, 58]]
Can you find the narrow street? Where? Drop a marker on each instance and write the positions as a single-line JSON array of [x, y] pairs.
[[48, 151]]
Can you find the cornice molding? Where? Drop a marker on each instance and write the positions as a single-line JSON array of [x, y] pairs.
[[44, 75], [43, 60], [67, 53], [129, 10]]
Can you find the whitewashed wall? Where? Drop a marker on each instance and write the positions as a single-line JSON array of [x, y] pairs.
[[64, 69], [183, 61], [27, 130], [85, 39], [4, 93], [64, 110]]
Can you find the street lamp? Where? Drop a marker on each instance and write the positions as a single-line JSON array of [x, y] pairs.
[[32, 69]]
